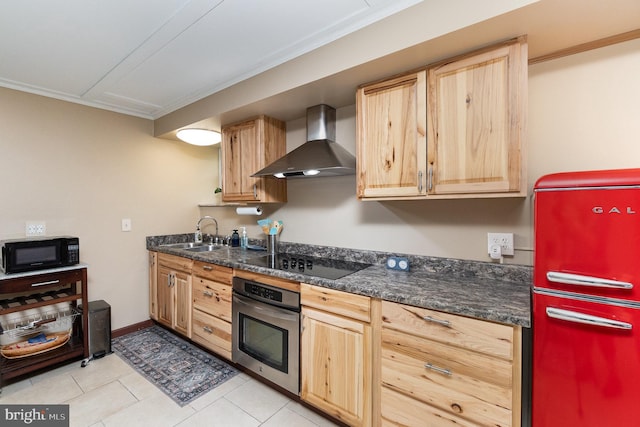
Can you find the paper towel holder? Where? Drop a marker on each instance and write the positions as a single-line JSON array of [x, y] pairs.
[[249, 210]]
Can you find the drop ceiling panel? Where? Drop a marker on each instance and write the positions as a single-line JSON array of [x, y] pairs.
[[234, 41], [68, 47], [150, 57]]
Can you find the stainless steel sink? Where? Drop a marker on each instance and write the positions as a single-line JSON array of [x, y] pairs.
[[182, 245], [203, 248]]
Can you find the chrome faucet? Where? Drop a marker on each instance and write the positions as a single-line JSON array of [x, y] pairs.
[[198, 234]]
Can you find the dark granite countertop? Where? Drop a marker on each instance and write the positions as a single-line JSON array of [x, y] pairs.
[[476, 289]]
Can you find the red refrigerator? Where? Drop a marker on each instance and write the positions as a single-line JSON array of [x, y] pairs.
[[586, 299]]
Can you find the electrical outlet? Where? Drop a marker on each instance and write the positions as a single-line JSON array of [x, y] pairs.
[[504, 240], [35, 228]]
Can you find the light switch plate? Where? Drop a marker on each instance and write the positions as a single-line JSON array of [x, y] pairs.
[[126, 224], [398, 263]]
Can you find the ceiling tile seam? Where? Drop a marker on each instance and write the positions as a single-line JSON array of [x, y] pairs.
[[146, 40], [274, 60]]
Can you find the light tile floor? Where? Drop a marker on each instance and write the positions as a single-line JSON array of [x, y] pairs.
[[109, 393]]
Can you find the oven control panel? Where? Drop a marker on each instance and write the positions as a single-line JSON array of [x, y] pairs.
[[262, 292], [266, 293]]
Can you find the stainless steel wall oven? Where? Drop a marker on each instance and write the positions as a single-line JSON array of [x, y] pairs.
[[266, 332]]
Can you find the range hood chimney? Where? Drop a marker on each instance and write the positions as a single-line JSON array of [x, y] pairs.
[[320, 155]]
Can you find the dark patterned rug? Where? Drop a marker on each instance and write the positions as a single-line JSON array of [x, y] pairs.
[[178, 368]]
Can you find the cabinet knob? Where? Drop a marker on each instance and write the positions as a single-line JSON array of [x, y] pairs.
[[207, 329], [207, 268], [456, 408], [207, 293]]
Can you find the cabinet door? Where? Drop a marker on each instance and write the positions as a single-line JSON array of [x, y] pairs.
[[334, 365], [476, 122], [240, 154], [165, 296], [391, 137], [153, 285], [182, 292]]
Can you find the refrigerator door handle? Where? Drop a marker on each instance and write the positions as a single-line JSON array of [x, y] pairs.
[[578, 279], [587, 319]]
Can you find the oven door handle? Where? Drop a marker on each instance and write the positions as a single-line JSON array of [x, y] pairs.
[[272, 311]]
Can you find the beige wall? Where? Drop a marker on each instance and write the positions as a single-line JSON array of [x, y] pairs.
[[82, 170]]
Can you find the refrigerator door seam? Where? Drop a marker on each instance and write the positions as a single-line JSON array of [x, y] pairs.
[[587, 298]]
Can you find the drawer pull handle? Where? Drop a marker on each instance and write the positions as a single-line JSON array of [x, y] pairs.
[[435, 368], [207, 293], [438, 321], [50, 282], [207, 268], [208, 329]]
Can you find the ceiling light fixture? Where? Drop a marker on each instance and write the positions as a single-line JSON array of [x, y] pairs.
[[200, 137]]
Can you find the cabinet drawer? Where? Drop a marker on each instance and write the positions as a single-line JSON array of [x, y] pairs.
[[477, 335], [214, 272], [343, 303], [39, 282], [455, 380], [212, 333], [400, 410], [212, 297], [173, 262]]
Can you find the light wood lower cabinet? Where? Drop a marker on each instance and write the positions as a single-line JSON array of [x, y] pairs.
[[212, 307], [336, 353], [173, 292], [442, 369], [364, 361], [153, 285]]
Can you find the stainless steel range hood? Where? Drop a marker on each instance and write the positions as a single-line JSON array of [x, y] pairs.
[[320, 155]]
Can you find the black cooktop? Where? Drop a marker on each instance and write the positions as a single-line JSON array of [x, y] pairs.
[[311, 266]]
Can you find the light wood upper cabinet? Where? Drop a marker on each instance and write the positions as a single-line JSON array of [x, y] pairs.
[[391, 137], [246, 148], [453, 130], [476, 123]]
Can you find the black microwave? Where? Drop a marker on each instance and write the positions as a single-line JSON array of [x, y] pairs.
[[20, 255]]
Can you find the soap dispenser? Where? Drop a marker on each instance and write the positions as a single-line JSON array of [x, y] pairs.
[[244, 239], [235, 239], [197, 237]]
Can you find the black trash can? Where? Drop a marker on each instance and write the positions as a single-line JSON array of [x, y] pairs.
[[99, 330]]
